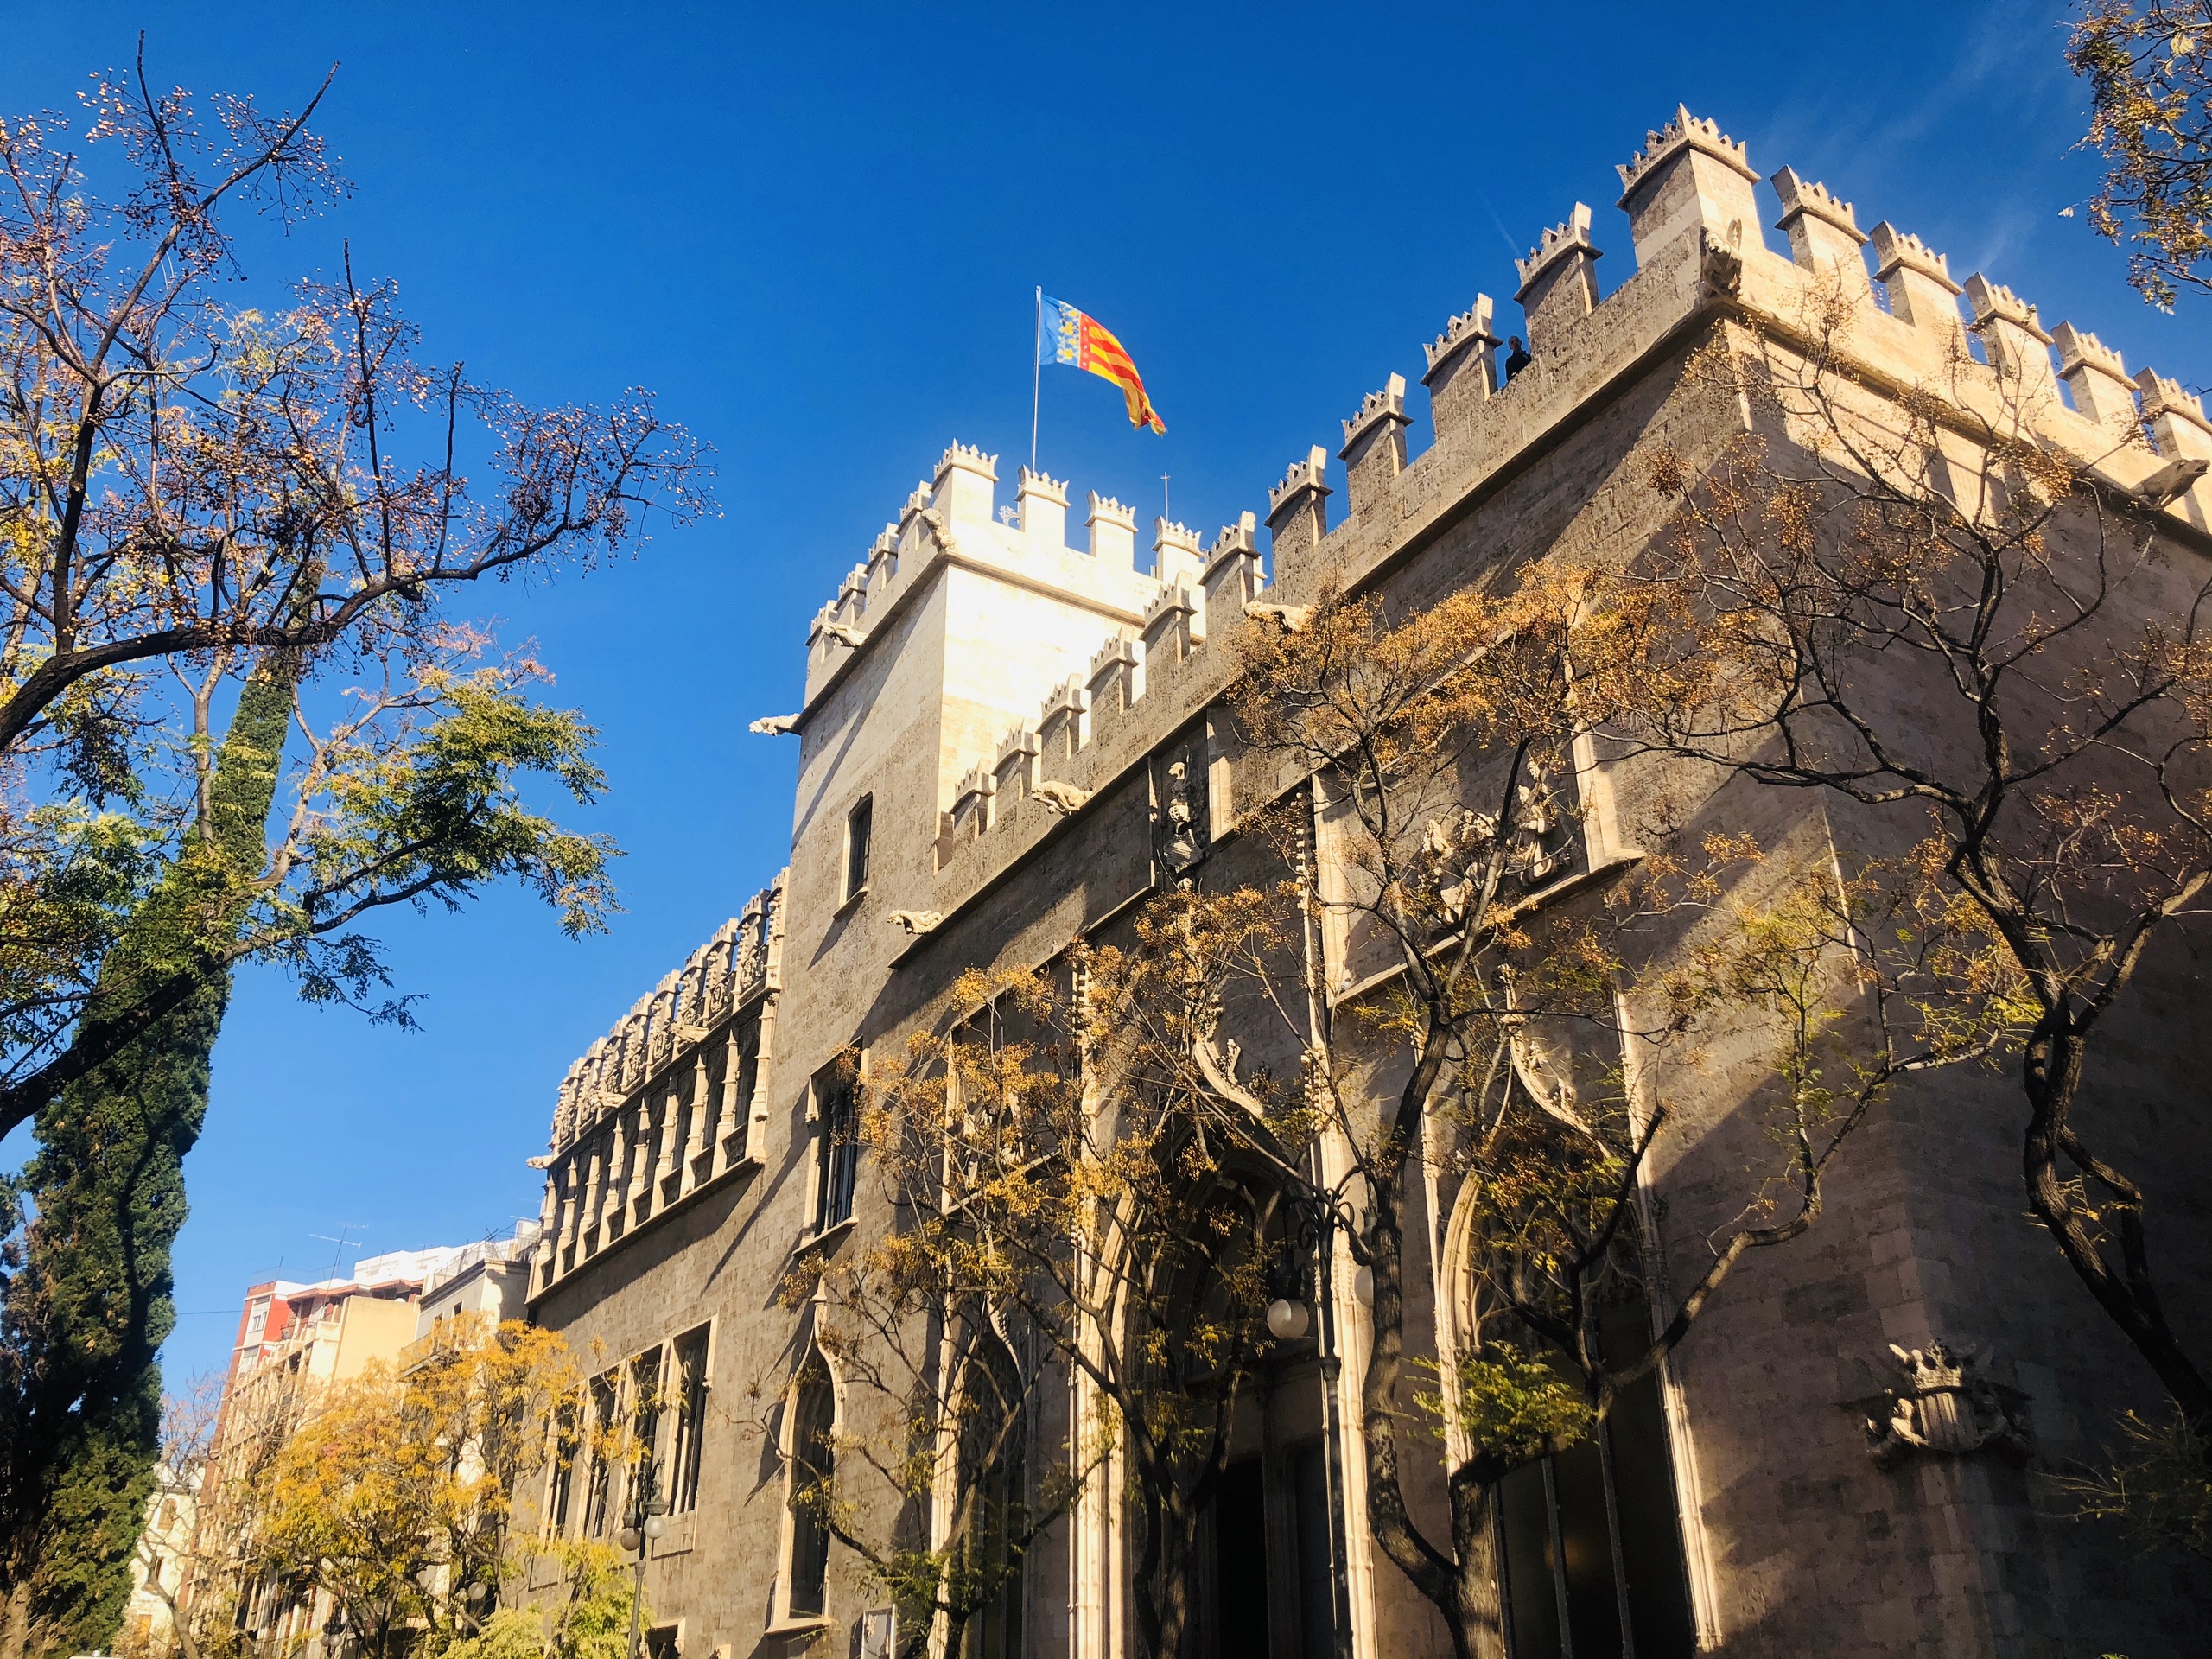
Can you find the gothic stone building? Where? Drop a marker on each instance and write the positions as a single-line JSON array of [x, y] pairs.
[[1738, 1507]]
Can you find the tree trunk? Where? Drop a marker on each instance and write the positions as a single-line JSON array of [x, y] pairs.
[[93, 1303], [2051, 1074]]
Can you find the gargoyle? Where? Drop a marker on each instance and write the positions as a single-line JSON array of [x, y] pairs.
[[1063, 799], [846, 634], [1293, 617], [917, 921], [775, 725]]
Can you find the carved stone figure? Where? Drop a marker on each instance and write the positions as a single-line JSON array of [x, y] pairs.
[[1181, 815], [1947, 1409]]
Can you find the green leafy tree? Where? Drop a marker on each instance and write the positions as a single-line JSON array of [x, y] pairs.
[[183, 481], [199, 502], [89, 1312], [588, 1619]]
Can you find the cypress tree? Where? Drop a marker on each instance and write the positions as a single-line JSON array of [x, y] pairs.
[[91, 1304]]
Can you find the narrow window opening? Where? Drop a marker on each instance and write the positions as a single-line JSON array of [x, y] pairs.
[[859, 824], [837, 1141], [690, 1421], [564, 1465], [1592, 1538], [596, 1487], [814, 1409]]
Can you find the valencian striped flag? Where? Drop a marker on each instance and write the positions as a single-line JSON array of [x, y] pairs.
[[1079, 340]]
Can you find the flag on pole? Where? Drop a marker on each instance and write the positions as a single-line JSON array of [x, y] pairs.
[[1080, 342]]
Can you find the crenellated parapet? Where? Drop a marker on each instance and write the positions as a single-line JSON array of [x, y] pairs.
[[1176, 560], [1298, 512], [1690, 186], [1112, 530], [1823, 231], [1917, 280], [2179, 432], [2097, 379], [1462, 369], [1375, 444], [1688, 193], [2013, 333], [1559, 278], [1232, 576], [742, 961]]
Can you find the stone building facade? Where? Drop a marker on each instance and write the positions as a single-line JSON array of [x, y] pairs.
[[1008, 742]]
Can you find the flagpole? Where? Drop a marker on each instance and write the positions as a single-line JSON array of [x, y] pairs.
[[1036, 375]]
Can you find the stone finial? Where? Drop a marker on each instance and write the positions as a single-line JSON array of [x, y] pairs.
[[1375, 443], [1823, 231], [1113, 532], [1232, 567], [1689, 176], [1462, 366], [1043, 503], [1558, 279], [2018, 348], [1298, 514], [1175, 557], [1918, 278]]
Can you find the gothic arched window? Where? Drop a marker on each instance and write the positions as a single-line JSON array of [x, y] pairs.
[[811, 1466]]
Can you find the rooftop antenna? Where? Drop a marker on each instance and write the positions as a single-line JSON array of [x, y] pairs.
[[341, 1241]]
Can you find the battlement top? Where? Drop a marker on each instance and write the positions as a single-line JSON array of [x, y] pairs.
[[1685, 132], [1804, 197]]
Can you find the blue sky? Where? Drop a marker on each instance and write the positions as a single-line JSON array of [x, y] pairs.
[[814, 231]]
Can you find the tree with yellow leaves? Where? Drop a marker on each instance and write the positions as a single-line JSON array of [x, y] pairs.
[[395, 1498]]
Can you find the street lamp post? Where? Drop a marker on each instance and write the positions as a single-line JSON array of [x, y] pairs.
[[649, 1512]]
